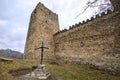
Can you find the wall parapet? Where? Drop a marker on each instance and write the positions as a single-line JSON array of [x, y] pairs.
[[84, 22]]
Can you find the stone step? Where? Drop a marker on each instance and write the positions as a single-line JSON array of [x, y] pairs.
[[39, 73]]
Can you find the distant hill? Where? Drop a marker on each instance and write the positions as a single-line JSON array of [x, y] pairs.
[[10, 53]]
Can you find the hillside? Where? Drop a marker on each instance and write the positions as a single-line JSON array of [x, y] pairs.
[[10, 53]]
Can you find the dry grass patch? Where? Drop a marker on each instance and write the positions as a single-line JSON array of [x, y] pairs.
[[16, 64]]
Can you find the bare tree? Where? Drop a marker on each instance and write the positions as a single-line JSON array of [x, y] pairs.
[[102, 5]]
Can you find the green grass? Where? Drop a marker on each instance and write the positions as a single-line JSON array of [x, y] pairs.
[[63, 71], [79, 72]]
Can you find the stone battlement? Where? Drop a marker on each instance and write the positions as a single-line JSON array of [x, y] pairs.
[[84, 22]]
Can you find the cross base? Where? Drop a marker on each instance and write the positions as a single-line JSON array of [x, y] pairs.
[[39, 73]]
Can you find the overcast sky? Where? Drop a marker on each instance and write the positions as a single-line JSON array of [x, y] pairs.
[[15, 16]]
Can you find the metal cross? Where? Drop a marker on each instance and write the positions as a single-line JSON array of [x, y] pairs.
[[42, 49]]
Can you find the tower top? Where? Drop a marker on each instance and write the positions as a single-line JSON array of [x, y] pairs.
[[40, 6]]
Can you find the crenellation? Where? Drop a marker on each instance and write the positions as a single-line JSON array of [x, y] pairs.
[[84, 22], [97, 16], [79, 23], [87, 20]]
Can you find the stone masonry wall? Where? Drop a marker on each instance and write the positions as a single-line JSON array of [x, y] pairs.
[[95, 42], [43, 24]]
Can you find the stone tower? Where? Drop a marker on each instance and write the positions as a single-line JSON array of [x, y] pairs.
[[43, 24]]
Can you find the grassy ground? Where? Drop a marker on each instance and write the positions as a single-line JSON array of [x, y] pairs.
[[16, 64], [64, 71], [79, 72]]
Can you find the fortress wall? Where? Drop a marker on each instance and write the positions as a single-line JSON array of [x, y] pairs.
[[95, 42]]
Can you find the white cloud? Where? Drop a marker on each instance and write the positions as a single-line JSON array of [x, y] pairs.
[[3, 22]]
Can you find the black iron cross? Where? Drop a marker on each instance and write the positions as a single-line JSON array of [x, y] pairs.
[[42, 49]]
